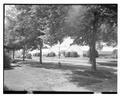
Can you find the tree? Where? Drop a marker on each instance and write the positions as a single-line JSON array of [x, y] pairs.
[[27, 27], [87, 24], [86, 27], [10, 36], [34, 19]]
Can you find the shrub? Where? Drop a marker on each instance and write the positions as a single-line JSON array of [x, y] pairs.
[[67, 54], [88, 54], [71, 54], [29, 56], [114, 53], [74, 54], [51, 54], [36, 54], [7, 61], [85, 54], [62, 53]]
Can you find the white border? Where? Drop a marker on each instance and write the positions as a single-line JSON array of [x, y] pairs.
[[52, 2]]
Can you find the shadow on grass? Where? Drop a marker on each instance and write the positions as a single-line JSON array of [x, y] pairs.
[[64, 66], [15, 62], [80, 75], [89, 78], [10, 68], [110, 63], [7, 90], [51, 65]]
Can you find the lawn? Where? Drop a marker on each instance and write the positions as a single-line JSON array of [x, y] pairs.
[[71, 76]]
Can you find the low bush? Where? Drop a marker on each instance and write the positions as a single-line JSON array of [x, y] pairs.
[[67, 54], [36, 54], [71, 54], [114, 53], [74, 54], [7, 61], [62, 53], [87, 54], [29, 56], [51, 54]]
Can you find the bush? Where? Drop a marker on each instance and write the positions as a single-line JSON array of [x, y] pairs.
[[29, 56], [74, 54], [114, 53], [67, 54], [62, 53], [88, 54], [85, 54], [7, 61], [36, 54], [71, 54], [51, 54]]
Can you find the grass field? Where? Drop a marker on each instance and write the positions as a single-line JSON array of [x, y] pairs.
[[74, 74]]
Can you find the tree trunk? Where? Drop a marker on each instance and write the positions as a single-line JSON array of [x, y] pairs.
[[93, 56], [59, 56], [40, 54], [92, 44], [24, 53], [13, 53]]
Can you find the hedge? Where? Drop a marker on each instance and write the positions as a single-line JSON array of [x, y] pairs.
[[51, 54]]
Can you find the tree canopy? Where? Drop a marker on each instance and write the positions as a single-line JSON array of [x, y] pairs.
[[87, 24]]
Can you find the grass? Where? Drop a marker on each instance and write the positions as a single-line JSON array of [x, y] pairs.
[[79, 75]]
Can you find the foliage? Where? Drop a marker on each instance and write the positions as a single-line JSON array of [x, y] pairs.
[[51, 54], [67, 54], [92, 23], [74, 54], [10, 21], [96, 54], [87, 24], [36, 54], [115, 53], [81, 25], [99, 45], [29, 56], [7, 60], [71, 54]]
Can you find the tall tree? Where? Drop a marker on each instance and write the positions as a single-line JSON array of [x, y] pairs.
[[87, 27], [10, 36], [34, 19]]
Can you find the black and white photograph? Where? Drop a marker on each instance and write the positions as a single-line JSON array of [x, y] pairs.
[[60, 48]]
